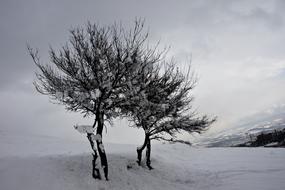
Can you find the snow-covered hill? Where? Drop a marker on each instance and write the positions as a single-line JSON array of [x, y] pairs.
[[241, 134], [266, 121], [30, 162]]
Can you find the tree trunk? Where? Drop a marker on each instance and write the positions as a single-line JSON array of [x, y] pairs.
[[100, 146], [140, 149], [95, 169], [148, 150]]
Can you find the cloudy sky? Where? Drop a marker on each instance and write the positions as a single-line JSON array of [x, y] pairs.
[[237, 49]]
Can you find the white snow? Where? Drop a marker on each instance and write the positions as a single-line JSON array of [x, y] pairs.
[[129, 59], [102, 61], [96, 137], [108, 102], [65, 93], [164, 106], [271, 144], [101, 146], [30, 162], [84, 128], [97, 93], [59, 95]]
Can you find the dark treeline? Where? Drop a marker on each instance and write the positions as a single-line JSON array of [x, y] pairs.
[[274, 138]]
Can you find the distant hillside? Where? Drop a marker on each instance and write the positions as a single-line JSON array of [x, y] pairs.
[[265, 122], [274, 138]]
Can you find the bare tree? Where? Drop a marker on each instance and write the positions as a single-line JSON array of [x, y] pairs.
[[162, 106], [89, 75]]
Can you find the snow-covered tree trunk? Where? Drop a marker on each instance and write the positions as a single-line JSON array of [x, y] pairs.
[[95, 169], [141, 148], [99, 142], [148, 150]]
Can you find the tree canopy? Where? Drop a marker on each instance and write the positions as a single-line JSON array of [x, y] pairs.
[[108, 72]]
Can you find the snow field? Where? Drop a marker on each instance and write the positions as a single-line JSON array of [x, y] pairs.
[[56, 164]]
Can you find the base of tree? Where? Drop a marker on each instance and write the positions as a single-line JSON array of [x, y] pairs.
[[95, 171]]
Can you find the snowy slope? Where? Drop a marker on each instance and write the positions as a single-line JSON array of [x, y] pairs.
[[265, 121], [50, 163]]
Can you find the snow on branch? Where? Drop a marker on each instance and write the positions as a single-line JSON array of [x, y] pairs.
[[84, 128], [171, 140]]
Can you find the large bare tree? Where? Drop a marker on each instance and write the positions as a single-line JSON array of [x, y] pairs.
[[90, 74]]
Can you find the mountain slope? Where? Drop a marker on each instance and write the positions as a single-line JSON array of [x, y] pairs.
[[266, 121]]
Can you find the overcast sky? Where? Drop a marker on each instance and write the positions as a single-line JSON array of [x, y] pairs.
[[237, 48]]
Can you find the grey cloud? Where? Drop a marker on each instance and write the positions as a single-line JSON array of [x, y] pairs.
[[221, 35]]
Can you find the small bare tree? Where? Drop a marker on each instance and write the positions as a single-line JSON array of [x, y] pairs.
[[89, 75], [162, 106]]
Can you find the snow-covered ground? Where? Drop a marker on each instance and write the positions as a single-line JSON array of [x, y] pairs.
[[30, 162]]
